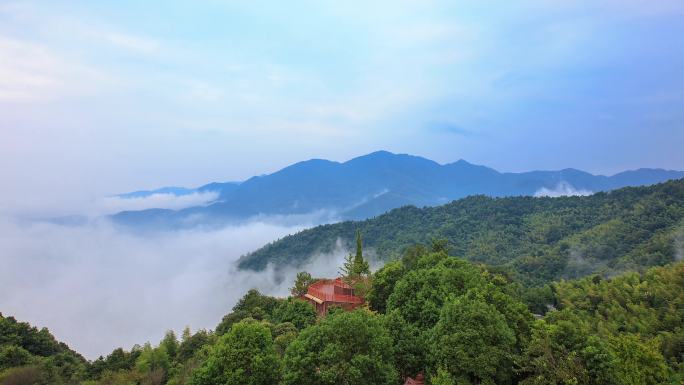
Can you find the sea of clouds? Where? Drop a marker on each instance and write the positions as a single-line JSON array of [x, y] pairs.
[[98, 286]]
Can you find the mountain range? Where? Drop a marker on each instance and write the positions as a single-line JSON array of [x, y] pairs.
[[538, 240], [370, 185]]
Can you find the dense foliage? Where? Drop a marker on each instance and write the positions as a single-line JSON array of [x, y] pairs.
[[245, 355], [29, 355], [345, 348], [539, 239], [456, 322]]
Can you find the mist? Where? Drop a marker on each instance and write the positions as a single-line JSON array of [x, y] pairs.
[[561, 189], [97, 287], [679, 245], [115, 204]]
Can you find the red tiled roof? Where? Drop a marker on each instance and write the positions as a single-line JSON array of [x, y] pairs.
[[419, 380], [324, 290]]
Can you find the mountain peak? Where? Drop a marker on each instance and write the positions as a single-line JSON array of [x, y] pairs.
[[383, 156]]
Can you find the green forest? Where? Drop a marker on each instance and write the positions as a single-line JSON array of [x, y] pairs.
[[452, 320], [537, 239]]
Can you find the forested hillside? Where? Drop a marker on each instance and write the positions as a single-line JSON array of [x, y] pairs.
[[537, 239], [29, 355], [453, 321]]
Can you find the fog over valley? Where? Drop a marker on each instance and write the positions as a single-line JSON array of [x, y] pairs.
[[97, 287]]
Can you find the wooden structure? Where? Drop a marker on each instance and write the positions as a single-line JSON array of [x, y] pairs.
[[332, 292], [419, 380]]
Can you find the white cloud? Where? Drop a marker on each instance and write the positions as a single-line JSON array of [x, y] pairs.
[[111, 205], [561, 189], [97, 288]]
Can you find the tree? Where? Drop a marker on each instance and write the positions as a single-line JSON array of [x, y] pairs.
[[639, 363], [473, 343], [548, 360], [12, 355], [356, 266], [153, 364], [344, 348], [409, 345], [186, 334], [118, 378], [26, 375], [253, 299], [192, 344], [360, 264], [301, 284], [170, 343], [243, 356], [384, 281], [300, 313], [412, 254], [251, 305], [440, 245], [284, 334], [117, 360], [419, 295]]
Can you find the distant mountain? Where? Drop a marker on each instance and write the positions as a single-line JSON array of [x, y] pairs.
[[370, 185], [537, 239], [180, 191]]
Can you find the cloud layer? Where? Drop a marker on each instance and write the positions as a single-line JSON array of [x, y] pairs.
[[115, 204], [97, 288]]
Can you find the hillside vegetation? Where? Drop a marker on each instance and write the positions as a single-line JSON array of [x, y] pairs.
[[537, 239], [454, 321], [29, 355]]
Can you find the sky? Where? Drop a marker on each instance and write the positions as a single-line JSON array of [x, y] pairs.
[[104, 97], [100, 97]]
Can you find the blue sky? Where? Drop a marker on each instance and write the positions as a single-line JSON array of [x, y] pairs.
[[110, 96]]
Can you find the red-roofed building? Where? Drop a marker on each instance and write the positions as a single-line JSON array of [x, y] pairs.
[[419, 380], [332, 292]]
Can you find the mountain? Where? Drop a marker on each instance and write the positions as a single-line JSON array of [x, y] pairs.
[[538, 239], [370, 185], [180, 191]]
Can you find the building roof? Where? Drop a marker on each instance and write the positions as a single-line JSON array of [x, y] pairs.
[[419, 380], [324, 291]]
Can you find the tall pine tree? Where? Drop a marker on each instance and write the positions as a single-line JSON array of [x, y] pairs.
[[361, 267], [356, 271], [355, 266]]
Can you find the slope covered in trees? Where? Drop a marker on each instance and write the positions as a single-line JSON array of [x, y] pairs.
[[29, 355], [455, 321], [538, 239]]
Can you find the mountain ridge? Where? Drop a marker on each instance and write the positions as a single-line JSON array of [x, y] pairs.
[[539, 239], [372, 184]]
